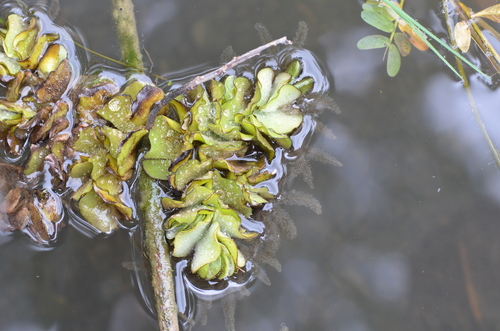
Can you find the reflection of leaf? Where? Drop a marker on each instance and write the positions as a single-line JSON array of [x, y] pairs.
[[373, 41], [462, 36], [377, 20], [393, 61], [403, 44], [492, 13]]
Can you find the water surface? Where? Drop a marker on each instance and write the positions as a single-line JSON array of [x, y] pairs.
[[409, 222]]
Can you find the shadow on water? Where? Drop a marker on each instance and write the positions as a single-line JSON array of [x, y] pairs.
[[407, 237]]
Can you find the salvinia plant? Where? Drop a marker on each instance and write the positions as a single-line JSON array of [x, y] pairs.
[[74, 143]]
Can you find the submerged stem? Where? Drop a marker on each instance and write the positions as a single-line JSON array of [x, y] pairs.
[[124, 18], [158, 253], [155, 246]]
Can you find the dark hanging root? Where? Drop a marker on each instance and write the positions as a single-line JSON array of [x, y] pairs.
[[301, 35], [264, 35], [227, 55]]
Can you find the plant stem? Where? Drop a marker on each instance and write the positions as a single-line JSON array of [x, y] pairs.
[[124, 18], [155, 245], [158, 253], [475, 111]]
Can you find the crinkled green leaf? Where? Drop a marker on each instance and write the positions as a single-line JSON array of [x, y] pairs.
[[32, 61], [279, 121], [294, 69], [26, 40], [36, 160], [230, 224], [265, 79], [189, 171], [207, 249], [231, 194], [114, 201], [118, 112], [114, 139], [166, 145], [284, 96], [15, 25], [192, 196], [109, 183], [11, 66], [126, 155], [53, 56], [87, 141], [104, 217], [81, 169], [186, 240], [98, 160]]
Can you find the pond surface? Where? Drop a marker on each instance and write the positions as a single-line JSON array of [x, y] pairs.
[[407, 236]]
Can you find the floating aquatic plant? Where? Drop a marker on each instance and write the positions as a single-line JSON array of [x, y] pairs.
[[89, 138]]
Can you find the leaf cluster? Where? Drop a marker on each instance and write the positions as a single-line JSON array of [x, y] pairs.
[[398, 44], [210, 147]]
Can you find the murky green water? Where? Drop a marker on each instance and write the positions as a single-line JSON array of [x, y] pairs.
[[407, 236]]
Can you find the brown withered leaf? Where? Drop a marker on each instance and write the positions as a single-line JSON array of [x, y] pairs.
[[56, 83], [36, 228], [492, 13], [403, 44], [17, 220], [49, 205], [11, 200], [145, 99]]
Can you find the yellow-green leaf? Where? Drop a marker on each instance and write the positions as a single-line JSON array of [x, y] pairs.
[[462, 36], [492, 13]]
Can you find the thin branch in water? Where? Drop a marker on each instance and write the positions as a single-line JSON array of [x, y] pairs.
[[221, 71]]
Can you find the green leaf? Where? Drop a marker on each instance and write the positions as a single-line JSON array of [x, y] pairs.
[[378, 21], [393, 61], [373, 41], [118, 111], [207, 249], [102, 216], [186, 240]]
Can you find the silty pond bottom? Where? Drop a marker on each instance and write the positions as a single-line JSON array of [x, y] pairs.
[[413, 207]]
